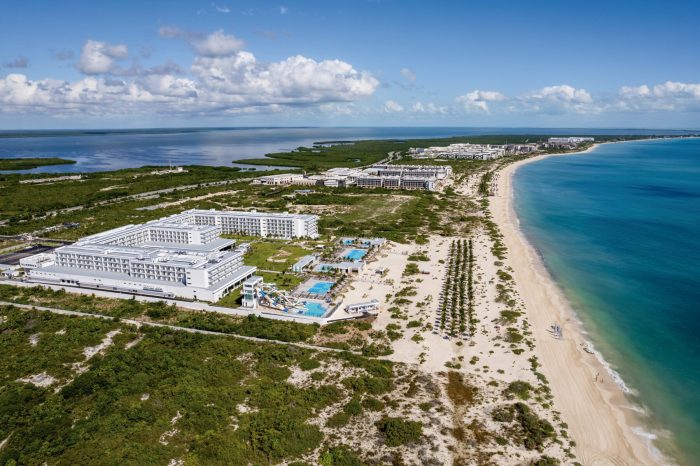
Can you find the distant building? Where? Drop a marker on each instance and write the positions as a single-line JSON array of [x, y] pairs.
[[570, 140], [423, 177]]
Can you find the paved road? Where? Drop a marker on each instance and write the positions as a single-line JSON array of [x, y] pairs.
[[139, 323]]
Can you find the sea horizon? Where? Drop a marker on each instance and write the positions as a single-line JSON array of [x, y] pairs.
[[579, 225]]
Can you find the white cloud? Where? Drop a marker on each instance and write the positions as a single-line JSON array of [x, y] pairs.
[[391, 106], [98, 57], [408, 74], [283, 10], [218, 44], [478, 100], [430, 107], [171, 32], [221, 80], [297, 79], [555, 100], [221, 8], [669, 96]]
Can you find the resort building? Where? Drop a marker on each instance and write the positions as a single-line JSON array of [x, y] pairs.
[[346, 267], [368, 307], [180, 256], [461, 151], [439, 172], [303, 263], [265, 224], [281, 179], [423, 177], [570, 140]]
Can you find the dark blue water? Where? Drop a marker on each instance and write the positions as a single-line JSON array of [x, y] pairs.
[[111, 150], [619, 229]]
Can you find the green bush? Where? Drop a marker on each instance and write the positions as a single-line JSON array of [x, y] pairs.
[[397, 431], [372, 404], [353, 408], [339, 419], [535, 431], [339, 456], [503, 414], [520, 389]]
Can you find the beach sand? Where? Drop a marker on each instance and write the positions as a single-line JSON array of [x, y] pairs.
[[601, 419]]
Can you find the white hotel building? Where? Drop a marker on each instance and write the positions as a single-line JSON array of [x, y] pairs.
[[265, 224], [180, 256]]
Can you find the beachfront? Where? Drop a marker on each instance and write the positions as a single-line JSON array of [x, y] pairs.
[[601, 419]]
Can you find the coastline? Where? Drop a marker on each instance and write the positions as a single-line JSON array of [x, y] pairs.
[[604, 423]]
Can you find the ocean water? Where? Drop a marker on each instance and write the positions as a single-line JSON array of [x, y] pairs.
[[619, 230], [117, 149]]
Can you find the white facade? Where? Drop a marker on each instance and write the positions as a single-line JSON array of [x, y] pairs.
[[461, 151], [43, 259], [368, 307], [170, 258], [265, 224], [570, 140], [426, 177], [281, 179]]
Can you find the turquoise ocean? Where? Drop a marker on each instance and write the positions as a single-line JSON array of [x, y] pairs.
[[619, 230]]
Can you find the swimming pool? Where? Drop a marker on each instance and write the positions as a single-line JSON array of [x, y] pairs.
[[320, 288], [314, 309], [355, 254]]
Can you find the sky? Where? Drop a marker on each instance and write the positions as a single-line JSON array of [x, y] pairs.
[[123, 64]]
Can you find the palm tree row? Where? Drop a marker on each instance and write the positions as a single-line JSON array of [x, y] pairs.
[[457, 294]]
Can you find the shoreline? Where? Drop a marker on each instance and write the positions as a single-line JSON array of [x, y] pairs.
[[605, 424]]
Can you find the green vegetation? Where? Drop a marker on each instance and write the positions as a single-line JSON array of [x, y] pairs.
[[274, 254], [22, 202], [519, 389], [193, 385], [342, 155], [27, 163], [397, 431], [158, 311], [535, 432], [339, 456]]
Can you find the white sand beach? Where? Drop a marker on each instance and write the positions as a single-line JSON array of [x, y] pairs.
[[599, 416]]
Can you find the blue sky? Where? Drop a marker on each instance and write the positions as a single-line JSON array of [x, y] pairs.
[[74, 64]]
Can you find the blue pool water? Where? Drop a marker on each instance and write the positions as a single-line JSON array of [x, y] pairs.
[[313, 309], [618, 228], [320, 288], [355, 254]]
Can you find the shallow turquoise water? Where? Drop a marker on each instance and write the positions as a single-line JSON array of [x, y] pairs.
[[355, 254], [619, 228], [320, 288], [314, 309]]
